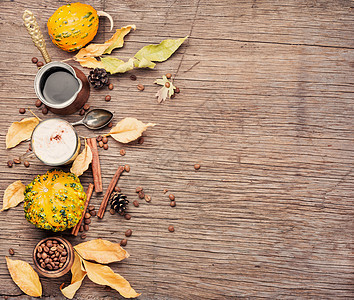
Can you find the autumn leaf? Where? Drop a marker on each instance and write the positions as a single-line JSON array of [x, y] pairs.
[[14, 194], [128, 130], [101, 251], [115, 65], [118, 38], [144, 63], [104, 275], [78, 276], [160, 52], [164, 92], [25, 277], [20, 131], [82, 161], [90, 62]]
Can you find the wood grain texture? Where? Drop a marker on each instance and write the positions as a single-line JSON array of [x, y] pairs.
[[266, 108]]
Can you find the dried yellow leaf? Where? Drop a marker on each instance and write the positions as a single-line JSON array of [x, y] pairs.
[[118, 38], [25, 277], [104, 275], [128, 130], [78, 276], [14, 194], [82, 161], [90, 62], [20, 131], [101, 251]]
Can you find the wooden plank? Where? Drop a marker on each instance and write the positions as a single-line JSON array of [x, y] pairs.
[[266, 108]]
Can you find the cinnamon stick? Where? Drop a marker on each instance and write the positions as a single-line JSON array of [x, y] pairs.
[[89, 191], [109, 191], [96, 167]]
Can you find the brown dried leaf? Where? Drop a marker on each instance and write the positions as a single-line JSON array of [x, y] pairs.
[[128, 130], [82, 161], [14, 194], [20, 131], [25, 277], [104, 275], [78, 276], [101, 251]]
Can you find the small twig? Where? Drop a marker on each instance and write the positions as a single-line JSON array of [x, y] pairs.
[[68, 59], [34, 114], [192, 67]]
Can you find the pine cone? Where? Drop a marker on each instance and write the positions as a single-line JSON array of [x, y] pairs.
[[119, 203], [98, 78]]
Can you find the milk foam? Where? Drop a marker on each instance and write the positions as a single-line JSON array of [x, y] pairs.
[[54, 141]]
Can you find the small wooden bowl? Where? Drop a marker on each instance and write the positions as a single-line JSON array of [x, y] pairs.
[[65, 268]]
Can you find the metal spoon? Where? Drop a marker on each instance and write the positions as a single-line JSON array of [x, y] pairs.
[[95, 119]]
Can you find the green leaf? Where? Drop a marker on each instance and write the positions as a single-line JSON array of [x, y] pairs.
[[115, 65], [144, 63], [160, 52]]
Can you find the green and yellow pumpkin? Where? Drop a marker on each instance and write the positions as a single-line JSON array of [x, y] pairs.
[[74, 25], [54, 200]]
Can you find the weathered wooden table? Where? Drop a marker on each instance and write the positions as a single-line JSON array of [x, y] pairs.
[[266, 108]]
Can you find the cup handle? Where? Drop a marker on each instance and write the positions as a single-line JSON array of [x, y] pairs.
[[36, 34]]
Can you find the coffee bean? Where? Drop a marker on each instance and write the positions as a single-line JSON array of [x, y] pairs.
[[41, 260], [52, 263], [55, 242], [34, 60], [38, 103], [40, 249], [171, 228], [60, 249], [110, 86], [136, 203], [22, 110], [91, 207], [86, 106], [55, 259], [197, 166], [122, 152], [100, 143], [45, 248], [165, 191], [10, 163], [108, 98], [40, 64], [171, 196], [49, 244], [110, 125], [141, 140], [11, 251], [56, 268], [87, 215], [63, 259], [86, 227], [83, 236], [177, 90], [140, 87], [168, 75], [173, 95], [26, 163], [141, 195], [44, 110], [87, 221], [112, 211], [132, 77], [49, 266], [167, 84], [127, 168], [127, 216], [39, 255], [44, 255], [123, 242], [81, 229], [50, 252], [173, 203], [53, 249], [99, 138], [105, 140], [93, 213], [138, 189], [61, 265], [43, 265], [82, 112], [147, 198], [17, 161], [64, 253], [105, 146], [128, 233], [57, 254]]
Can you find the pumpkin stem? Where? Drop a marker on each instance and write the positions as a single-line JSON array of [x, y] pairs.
[[102, 13]]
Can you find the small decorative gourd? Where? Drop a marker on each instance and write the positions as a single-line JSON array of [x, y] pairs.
[[54, 201], [74, 25]]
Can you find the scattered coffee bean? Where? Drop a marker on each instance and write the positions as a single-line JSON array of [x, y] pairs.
[[171, 196], [83, 236], [38, 103], [127, 168], [110, 125], [105, 140], [173, 203], [82, 112], [26, 163], [165, 191], [87, 215], [171, 228], [87, 221], [197, 166], [117, 189], [167, 84], [93, 213], [17, 161], [127, 216], [112, 211], [122, 152], [40, 64], [86, 106], [168, 75], [99, 138], [110, 86], [34, 60], [123, 242], [141, 195], [147, 198], [44, 110], [138, 189], [177, 90], [22, 110], [100, 143], [86, 227], [128, 233], [132, 77], [141, 141], [81, 228], [140, 87], [172, 96], [11, 251], [136, 203], [10, 163], [108, 98]]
